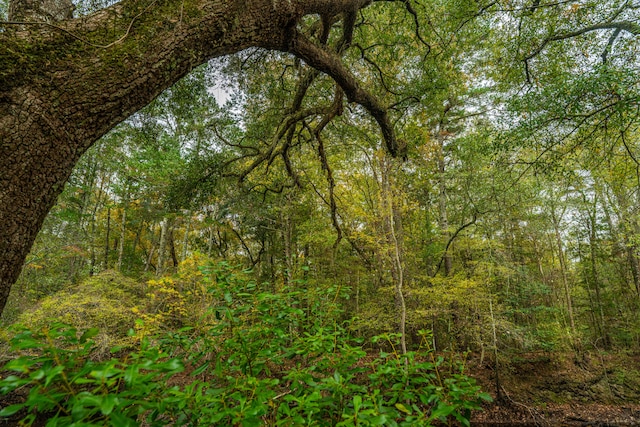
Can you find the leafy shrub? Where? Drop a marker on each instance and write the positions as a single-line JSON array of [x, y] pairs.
[[175, 301], [259, 360], [69, 388], [105, 300]]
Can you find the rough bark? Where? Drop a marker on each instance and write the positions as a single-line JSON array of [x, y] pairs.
[[65, 84], [40, 10]]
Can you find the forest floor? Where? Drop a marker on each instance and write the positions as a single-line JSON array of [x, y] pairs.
[[541, 389], [544, 389]]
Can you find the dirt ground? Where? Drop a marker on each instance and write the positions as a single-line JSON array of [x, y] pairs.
[[559, 415], [541, 389]]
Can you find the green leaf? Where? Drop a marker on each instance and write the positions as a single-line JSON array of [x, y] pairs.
[[357, 402], [173, 365], [200, 369], [252, 422], [378, 420], [442, 411], [21, 364], [131, 374], [108, 403], [10, 410], [106, 372], [486, 397], [88, 334], [120, 420], [12, 382], [52, 374]]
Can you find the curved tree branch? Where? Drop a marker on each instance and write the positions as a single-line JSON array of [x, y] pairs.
[[331, 65], [627, 26], [286, 126], [335, 111], [607, 48], [452, 238]]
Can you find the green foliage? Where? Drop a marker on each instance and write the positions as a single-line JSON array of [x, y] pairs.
[[68, 388], [261, 360]]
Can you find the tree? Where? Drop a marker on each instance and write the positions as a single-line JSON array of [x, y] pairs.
[[66, 82]]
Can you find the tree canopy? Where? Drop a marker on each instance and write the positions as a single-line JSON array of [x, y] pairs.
[[552, 70]]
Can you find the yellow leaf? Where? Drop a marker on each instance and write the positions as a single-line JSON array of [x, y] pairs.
[[403, 408]]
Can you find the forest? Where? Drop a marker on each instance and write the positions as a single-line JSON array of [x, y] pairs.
[[421, 212]]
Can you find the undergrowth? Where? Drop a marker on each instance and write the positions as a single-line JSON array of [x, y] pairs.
[[259, 357]]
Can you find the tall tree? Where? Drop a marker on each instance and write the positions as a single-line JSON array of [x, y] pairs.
[[65, 82]]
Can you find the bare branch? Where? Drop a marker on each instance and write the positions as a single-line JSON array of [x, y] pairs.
[[336, 110], [330, 64], [244, 245], [607, 48], [287, 124], [626, 147], [231, 144], [416, 22], [284, 153], [378, 69], [452, 238], [628, 26]]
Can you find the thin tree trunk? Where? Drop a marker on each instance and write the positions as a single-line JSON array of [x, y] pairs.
[[604, 333], [210, 242], [185, 241], [107, 237], [147, 264], [499, 397], [164, 228], [634, 266], [585, 274], [634, 258], [152, 249], [92, 251], [393, 225], [442, 203], [123, 229], [93, 257], [624, 243], [136, 241], [563, 272], [172, 248], [287, 238]]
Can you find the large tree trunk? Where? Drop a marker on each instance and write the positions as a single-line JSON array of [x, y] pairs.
[[64, 85]]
